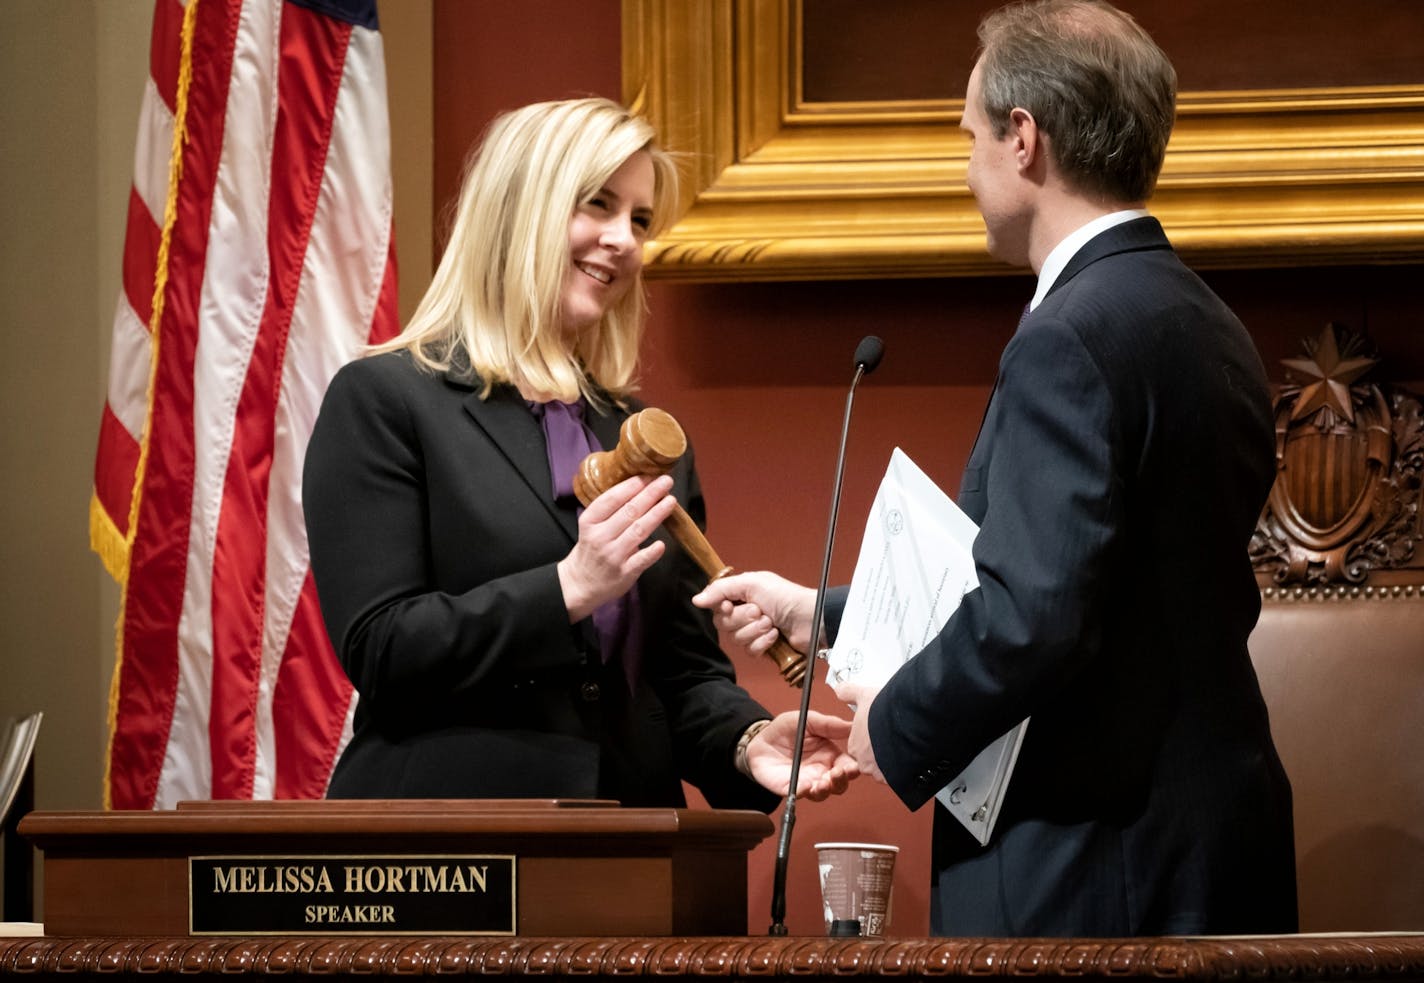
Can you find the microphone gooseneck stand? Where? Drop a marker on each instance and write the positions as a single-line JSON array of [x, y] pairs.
[[867, 356]]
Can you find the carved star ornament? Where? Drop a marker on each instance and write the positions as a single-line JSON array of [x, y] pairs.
[[1330, 375]]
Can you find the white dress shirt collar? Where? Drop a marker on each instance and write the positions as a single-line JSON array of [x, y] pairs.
[[1057, 259]]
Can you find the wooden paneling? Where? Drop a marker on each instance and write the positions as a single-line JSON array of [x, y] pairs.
[[924, 49]]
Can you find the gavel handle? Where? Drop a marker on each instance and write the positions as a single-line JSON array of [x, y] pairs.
[[791, 663]]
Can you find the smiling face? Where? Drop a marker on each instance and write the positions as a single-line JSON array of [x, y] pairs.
[[606, 236]]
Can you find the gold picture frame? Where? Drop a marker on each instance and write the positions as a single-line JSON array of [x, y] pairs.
[[779, 188]]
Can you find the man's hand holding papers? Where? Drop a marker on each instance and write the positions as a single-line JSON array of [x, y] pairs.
[[859, 697], [916, 564]]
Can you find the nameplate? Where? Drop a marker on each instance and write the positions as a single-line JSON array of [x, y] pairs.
[[354, 895]]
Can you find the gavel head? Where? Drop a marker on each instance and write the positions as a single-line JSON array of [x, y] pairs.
[[649, 442]]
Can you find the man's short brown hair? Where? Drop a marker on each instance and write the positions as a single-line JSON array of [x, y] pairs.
[[1096, 84]]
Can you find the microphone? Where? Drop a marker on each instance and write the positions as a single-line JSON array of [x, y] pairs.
[[867, 357]]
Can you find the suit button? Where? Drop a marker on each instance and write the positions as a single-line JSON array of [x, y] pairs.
[[590, 692]]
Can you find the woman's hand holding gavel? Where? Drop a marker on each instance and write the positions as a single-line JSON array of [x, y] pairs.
[[650, 443]]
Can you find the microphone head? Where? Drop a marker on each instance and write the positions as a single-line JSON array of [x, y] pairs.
[[869, 353]]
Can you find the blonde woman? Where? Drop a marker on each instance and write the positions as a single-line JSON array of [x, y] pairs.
[[504, 642]]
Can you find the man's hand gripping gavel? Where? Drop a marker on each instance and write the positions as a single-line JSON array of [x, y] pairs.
[[650, 442]]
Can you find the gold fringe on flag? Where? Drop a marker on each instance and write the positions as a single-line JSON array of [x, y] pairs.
[[116, 554], [106, 540]]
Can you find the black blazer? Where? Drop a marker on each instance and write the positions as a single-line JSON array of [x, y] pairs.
[[434, 537], [1124, 457]]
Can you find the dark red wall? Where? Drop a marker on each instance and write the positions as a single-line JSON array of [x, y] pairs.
[[756, 373]]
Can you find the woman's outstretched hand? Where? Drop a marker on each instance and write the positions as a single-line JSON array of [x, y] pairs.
[[826, 767]]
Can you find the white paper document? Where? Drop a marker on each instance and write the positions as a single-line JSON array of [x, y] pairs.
[[915, 567]]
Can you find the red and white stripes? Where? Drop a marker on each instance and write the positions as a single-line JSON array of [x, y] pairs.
[[279, 268]]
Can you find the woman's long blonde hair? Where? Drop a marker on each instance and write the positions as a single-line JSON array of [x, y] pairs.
[[496, 293]]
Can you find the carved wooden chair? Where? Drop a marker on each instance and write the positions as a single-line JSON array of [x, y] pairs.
[[1340, 645], [17, 797]]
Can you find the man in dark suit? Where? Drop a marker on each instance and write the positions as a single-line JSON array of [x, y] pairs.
[[1123, 459]]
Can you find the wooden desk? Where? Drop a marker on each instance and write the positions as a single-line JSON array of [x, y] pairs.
[[1253, 960], [582, 868]]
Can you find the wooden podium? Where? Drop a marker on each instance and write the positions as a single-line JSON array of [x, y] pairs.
[[573, 868]]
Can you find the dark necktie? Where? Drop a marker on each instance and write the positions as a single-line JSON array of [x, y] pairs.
[[569, 440]]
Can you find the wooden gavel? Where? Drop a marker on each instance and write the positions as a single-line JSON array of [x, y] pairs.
[[650, 442]]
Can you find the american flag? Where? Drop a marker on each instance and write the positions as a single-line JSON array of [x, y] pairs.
[[259, 258]]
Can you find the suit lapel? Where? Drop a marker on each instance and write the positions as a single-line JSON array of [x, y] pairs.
[[508, 423], [1133, 236], [1138, 234]]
